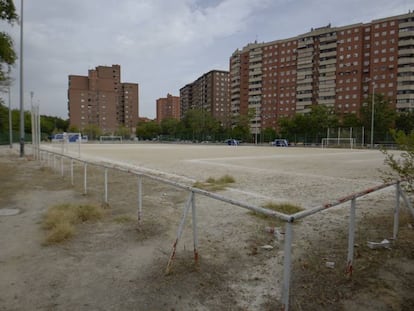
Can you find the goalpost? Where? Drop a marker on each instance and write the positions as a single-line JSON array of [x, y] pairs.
[[110, 139], [338, 142]]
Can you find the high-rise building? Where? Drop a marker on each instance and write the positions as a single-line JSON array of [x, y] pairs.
[[100, 99], [210, 92], [333, 66], [168, 107]]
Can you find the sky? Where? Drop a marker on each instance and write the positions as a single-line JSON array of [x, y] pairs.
[[160, 44]]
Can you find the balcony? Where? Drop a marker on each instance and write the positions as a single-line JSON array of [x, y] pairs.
[[327, 62], [406, 24], [255, 92], [409, 87], [327, 54], [406, 69], [255, 79], [304, 96], [408, 51], [303, 87], [405, 79], [405, 34], [406, 42], [405, 60], [332, 45]]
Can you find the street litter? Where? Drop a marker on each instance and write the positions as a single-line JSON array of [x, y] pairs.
[[268, 247], [330, 264], [280, 236], [383, 244]]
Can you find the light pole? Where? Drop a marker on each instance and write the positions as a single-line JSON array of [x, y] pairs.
[[10, 121], [372, 115], [21, 83]]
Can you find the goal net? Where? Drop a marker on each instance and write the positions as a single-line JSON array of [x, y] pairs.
[[338, 143], [110, 139]]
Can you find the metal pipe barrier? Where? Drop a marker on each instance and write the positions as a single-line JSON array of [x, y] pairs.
[[289, 219]]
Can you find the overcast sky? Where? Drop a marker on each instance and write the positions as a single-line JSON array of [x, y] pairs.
[[160, 44]]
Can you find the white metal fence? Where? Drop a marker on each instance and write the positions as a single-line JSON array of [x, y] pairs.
[[57, 161]]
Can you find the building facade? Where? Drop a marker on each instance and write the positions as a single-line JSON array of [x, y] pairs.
[[100, 99], [210, 92], [168, 107], [337, 67]]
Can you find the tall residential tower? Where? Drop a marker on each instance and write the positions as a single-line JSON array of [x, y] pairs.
[[100, 99], [333, 66]]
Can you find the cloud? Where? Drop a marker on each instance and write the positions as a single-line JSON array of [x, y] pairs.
[[161, 44]]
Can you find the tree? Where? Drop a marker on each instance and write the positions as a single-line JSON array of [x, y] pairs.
[[268, 134], [148, 130], [403, 167], [92, 131], [7, 54], [123, 132], [405, 122], [384, 116], [350, 120], [170, 127], [241, 129]]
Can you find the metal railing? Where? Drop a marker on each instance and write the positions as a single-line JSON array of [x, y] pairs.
[[51, 158]]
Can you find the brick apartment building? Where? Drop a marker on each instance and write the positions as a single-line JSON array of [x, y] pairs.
[[168, 107], [101, 99], [209, 92], [334, 66]]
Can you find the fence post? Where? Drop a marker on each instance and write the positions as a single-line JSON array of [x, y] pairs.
[[71, 172], [351, 238], [106, 186], [85, 178], [139, 197], [180, 230], [61, 166], [287, 258], [396, 210], [195, 236]]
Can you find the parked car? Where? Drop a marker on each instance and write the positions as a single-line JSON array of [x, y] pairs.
[[280, 143], [232, 142]]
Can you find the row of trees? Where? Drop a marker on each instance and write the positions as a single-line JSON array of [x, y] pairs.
[[49, 125], [199, 125]]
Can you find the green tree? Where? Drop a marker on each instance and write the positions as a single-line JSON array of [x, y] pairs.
[[7, 54], [350, 120], [123, 132], [148, 130], [405, 122], [268, 134], [92, 131], [241, 128], [384, 116], [170, 127], [403, 166]]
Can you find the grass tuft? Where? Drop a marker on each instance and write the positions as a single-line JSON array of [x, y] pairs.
[[212, 184], [122, 219], [60, 220], [285, 208], [61, 232]]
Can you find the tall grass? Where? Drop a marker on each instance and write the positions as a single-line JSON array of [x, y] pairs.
[[60, 220], [212, 184]]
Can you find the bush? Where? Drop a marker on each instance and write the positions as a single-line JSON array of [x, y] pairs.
[[402, 167]]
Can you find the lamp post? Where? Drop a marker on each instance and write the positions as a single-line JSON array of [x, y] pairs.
[[372, 115], [21, 83], [10, 121]]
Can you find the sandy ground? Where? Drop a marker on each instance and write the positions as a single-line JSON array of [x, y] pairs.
[[114, 265]]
